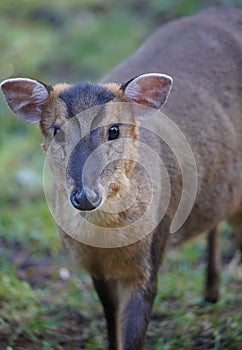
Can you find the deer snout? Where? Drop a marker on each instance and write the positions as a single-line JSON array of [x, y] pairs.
[[85, 199]]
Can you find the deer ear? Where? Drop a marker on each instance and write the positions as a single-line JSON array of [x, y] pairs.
[[150, 89], [25, 97]]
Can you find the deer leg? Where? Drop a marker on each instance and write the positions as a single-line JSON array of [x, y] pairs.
[[107, 292], [236, 223], [239, 243], [213, 266], [135, 315], [237, 259]]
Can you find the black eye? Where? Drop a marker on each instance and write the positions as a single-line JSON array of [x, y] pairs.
[[56, 129], [58, 133], [113, 132]]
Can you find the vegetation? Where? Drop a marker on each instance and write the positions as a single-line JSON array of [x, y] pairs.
[[42, 304]]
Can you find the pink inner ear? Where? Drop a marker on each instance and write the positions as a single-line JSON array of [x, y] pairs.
[[149, 89], [25, 97]]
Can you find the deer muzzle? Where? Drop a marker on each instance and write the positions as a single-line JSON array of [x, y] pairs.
[[85, 199]]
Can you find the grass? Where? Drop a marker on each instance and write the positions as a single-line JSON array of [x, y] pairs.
[[40, 309]]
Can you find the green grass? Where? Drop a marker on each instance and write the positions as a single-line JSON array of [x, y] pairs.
[[50, 313], [74, 40]]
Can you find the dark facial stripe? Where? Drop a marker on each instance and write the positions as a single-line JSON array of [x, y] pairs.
[[79, 155], [84, 96]]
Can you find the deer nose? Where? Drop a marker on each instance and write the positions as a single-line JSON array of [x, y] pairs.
[[85, 199]]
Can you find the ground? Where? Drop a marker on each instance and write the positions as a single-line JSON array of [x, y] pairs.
[[46, 304]]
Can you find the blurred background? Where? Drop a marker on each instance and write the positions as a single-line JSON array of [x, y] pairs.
[[45, 304]]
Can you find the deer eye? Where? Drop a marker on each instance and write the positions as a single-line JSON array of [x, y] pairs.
[[58, 133], [113, 132]]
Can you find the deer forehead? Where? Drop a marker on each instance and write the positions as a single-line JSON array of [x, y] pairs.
[[68, 101]]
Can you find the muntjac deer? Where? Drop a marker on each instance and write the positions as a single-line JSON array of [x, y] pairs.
[[115, 157]]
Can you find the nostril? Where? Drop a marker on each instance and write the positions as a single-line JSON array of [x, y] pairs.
[[93, 197], [85, 199], [76, 198]]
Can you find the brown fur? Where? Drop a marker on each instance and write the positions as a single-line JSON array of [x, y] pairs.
[[206, 65], [54, 111], [129, 264], [203, 54]]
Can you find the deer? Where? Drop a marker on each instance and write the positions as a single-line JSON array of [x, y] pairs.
[[192, 69]]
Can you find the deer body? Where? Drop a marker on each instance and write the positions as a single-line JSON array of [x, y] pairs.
[[203, 55], [205, 62]]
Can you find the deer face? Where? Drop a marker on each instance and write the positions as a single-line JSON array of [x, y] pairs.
[[90, 132]]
